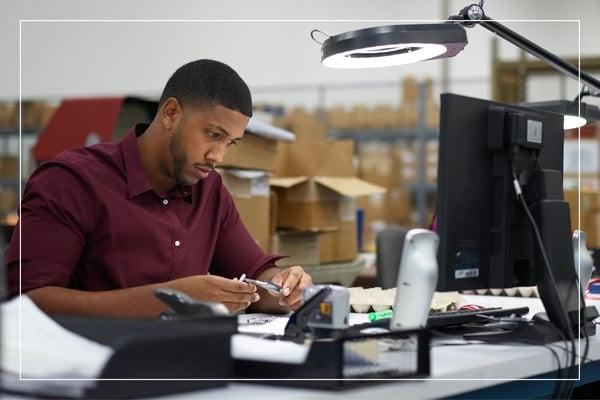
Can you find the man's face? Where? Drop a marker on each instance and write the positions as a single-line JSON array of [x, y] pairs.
[[200, 140]]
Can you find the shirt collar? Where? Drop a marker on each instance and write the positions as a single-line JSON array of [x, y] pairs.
[[137, 180]]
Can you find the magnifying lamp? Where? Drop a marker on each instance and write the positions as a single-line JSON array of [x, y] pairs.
[[402, 44], [575, 114]]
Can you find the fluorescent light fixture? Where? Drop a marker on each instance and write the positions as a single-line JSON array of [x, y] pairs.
[[386, 46], [575, 114]]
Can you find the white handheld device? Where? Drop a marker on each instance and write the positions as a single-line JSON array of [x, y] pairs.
[[417, 280]]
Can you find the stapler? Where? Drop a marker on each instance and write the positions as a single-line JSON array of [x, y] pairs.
[[183, 305]]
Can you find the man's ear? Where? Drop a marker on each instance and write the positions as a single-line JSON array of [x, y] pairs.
[[170, 113]]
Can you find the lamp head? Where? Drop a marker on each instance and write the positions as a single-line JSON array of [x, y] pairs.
[[575, 114], [385, 46]]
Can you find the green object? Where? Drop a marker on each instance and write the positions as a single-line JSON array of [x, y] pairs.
[[374, 316]]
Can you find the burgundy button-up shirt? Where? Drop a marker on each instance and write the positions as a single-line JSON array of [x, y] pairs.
[[91, 221]]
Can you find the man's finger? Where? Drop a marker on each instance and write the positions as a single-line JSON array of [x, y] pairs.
[[296, 295], [296, 305], [232, 297], [236, 307], [292, 280], [236, 286]]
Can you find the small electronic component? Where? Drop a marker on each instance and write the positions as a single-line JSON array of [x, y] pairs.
[[270, 287]]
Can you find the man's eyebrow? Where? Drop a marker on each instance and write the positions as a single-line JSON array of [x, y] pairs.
[[221, 128]]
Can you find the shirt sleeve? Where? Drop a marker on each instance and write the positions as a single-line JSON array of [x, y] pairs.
[[236, 252], [56, 213]]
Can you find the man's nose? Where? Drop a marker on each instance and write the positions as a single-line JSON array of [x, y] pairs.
[[216, 153]]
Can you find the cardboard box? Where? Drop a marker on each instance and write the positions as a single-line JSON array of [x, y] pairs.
[[373, 206], [36, 114], [399, 206], [251, 195], [339, 245], [338, 118], [245, 183], [254, 212], [380, 210], [9, 201], [590, 224], [9, 167], [377, 165], [302, 247], [360, 117], [304, 125], [9, 114], [253, 152], [309, 131], [589, 200], [326, 158], [410, 89], [319, 203]]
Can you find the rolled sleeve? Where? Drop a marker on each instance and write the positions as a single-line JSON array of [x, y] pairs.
[[56, 214], [236, 252]]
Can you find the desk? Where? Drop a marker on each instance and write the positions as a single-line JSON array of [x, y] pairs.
[[476, 366]]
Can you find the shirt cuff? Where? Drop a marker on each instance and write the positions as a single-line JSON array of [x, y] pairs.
[[263, 263]]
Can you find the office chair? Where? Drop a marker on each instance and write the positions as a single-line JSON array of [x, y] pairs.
[[388, 245]]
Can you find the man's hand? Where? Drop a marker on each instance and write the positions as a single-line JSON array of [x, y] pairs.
[[292, 280], [139, 302], [235, 295]]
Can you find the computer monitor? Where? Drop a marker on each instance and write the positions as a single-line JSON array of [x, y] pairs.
[[486, 238]]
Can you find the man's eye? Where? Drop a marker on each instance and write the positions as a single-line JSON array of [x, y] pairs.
[[232, 143], [214, 135]]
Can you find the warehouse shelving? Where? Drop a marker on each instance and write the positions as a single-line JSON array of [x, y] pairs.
[[419, 135]]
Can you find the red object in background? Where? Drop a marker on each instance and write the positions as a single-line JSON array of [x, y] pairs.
[[75, 122]]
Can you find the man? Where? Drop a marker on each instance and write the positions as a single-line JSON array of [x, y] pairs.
[[104, 226]]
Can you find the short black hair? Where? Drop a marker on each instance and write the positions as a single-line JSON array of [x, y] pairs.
[[208, 82]]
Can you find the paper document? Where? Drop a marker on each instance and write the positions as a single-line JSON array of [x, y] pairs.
[[274, 326], [246, 347], [48, 350]]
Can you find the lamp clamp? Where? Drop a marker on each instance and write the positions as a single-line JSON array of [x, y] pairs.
[[469, 15]]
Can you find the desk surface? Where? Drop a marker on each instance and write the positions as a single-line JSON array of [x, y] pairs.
[[454, 369]]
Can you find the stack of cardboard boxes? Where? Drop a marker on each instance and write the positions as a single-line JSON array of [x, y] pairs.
[[245, 173], [361, 116], [35, 115], [589, 208], [386, 166], [582, 179], [316, 190]]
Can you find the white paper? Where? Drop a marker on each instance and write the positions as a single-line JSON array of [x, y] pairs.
[[49, 350], [275, 327], [246, 347]]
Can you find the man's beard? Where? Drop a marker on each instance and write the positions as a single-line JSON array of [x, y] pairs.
[[179, 161]]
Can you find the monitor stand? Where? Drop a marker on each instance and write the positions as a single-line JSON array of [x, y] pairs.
[[551, 214], [544, 195]]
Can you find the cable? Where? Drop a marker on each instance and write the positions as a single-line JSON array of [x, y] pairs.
[[563, 314]]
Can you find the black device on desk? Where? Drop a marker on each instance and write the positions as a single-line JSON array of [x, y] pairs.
[[487, 239], [158, 357]]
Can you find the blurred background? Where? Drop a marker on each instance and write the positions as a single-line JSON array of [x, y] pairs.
[[105, 62]]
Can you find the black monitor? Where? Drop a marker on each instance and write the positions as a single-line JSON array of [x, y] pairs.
[[486, 238]]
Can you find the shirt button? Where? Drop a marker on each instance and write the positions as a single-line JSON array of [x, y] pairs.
[[165, 202], [177, 243]]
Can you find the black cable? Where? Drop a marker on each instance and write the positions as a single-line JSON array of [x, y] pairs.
[[585, 333], [582, 94], [551, 280]]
